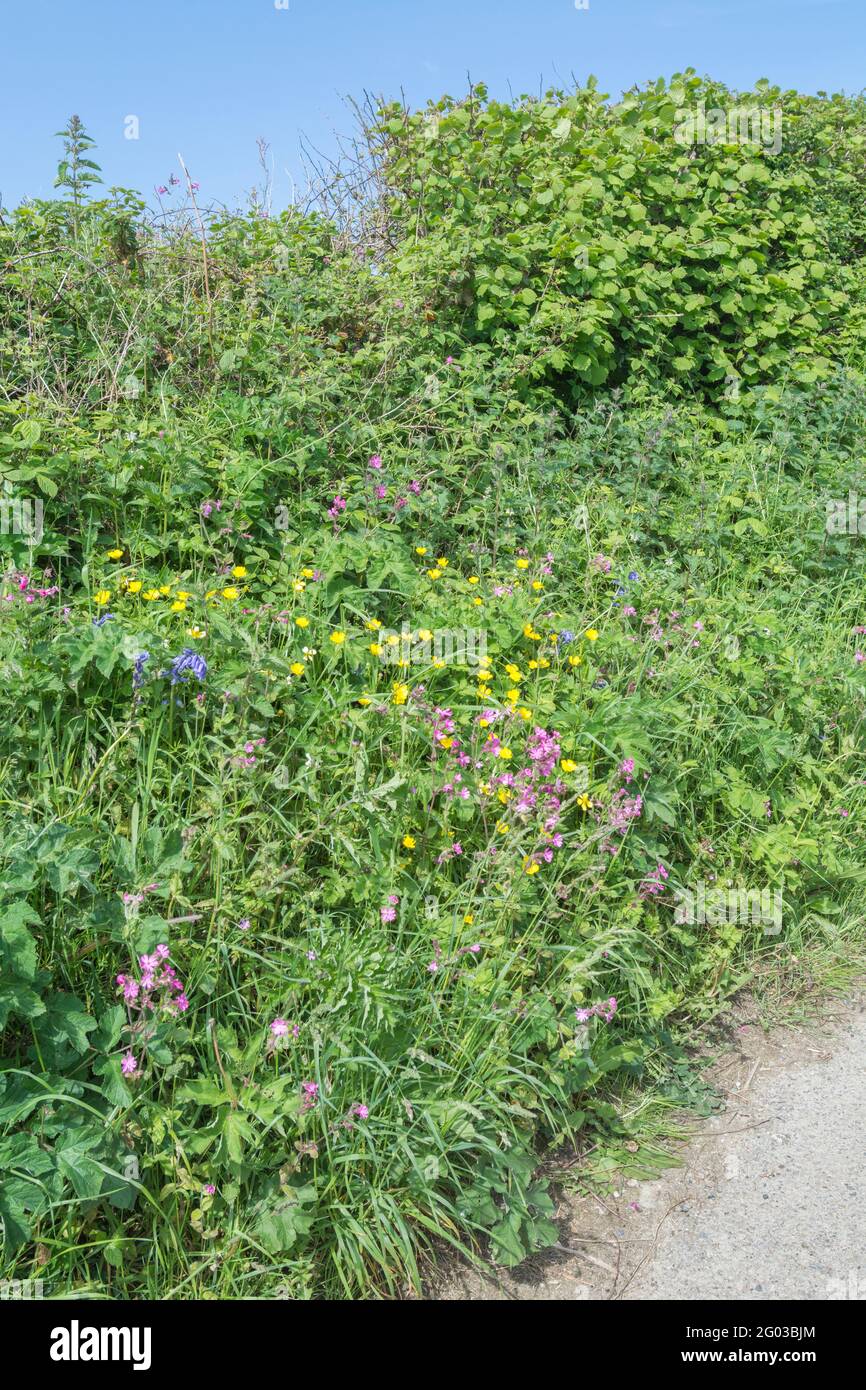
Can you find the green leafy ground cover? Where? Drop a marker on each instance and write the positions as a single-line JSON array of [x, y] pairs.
[[313, 935]]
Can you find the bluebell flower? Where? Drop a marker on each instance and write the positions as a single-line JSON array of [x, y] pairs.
[[138, 670], [634, 576], [106, 618], [189, 660], [566, 636]]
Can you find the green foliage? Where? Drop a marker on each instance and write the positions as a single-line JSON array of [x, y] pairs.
[[564, 466]]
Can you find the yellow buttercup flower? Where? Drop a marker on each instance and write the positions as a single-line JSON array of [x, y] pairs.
[[531, 868], [522, 563], [478, 602], [337, 638], [134, 586], [231, 592], [584, 802], [442, 562], [302, 622], [178, 607], [115, 554], [484, 675], [513, 695], [401, 694], [150, 594], [308, 573], [239, 572], [165, 589], [408, 842], [297, 668], [446, 741], [434, 574], [373, 624], [102, 596], [568, 765], [364, 700], [469, 919], [505, 753], [424, 634], [524, 712], [502, 827], [537, 585], [591, 634], [575, 661], [473, 579], [375, 648], [420, 550]]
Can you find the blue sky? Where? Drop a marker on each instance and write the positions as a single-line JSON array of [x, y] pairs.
[[207, 77]]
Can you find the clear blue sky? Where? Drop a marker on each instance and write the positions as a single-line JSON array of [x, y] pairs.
[[206, 77]]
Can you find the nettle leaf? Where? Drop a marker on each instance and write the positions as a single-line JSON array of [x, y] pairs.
[[114, 1088], [19, 998], [76, 1164], [203, 1091], [236, 1133], [18, 946], [108, 1031], [280, 1227], [66, 1019]]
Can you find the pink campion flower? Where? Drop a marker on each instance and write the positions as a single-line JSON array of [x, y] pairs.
[[375, 461], [414, 487], [859, 657], [626, 768], [279, 1028], [362, 1112], [311, 1088], [128, 1065], [433, 967], [387, 913], [209, 1189], [381, 491], [583, 1015]]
